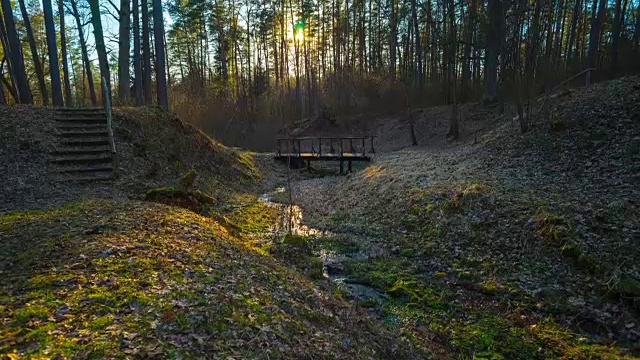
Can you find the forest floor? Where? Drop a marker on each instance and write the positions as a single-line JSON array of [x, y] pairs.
[[155, 265], [498, 245]]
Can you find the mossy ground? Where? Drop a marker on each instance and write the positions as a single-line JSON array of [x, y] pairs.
[[131, 280], [453, 279]]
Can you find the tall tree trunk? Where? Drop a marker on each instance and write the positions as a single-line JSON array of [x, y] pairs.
[[572, 33], [34, 54], [530, 65], [85, 55], [146, 54], [65, 63], [453, 121], [594, 35], [54, 68], [468, 36], [99, 39], [414, 15], [615, 38], [558, 34], [393, 41], [161, 75], [17, 60], [124, 51], [493, 44], [137, 61]]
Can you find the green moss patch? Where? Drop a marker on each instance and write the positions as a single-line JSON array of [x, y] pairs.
[[195, 200], [137, 280]]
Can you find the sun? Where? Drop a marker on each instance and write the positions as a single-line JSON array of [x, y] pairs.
[[299, 35], [298, 31]]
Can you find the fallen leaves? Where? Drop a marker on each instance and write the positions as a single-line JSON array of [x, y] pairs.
[[143, 287]]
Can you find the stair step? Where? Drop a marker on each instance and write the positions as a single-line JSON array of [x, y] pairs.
[[83, 159], [82, 120], [81, 113], [85, 178], [83, 170], [85, 142], [79, 109], [81, 151], [76, 134], [81, 126]]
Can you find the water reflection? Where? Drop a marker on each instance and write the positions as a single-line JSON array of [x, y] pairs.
[[289, 216]]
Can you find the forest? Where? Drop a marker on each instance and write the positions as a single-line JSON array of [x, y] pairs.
[[263, 64], [320, 179]]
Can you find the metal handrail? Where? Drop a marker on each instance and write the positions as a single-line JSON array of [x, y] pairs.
[[107, 109]]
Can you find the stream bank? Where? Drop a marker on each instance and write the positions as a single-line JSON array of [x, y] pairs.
[[328, 246]]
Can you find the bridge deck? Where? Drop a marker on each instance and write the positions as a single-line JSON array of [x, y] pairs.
[[297, 151], [323, 157]]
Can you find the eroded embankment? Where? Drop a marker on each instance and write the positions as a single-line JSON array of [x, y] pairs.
[[134, 279], [520, 246]]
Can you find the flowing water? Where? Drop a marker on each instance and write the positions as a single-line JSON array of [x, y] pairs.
[[290, 220]]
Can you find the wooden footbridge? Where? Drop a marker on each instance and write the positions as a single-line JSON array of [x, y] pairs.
[[297, 151]]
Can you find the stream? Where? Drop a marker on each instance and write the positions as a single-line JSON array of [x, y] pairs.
[[290, 219]]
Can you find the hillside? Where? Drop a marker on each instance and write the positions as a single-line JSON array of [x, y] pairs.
[[90, 271], [129, 279], [500, 244], [154, 148]]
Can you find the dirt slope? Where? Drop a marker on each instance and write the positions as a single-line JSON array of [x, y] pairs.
[[154, 148], [103, 279], [525, 233]]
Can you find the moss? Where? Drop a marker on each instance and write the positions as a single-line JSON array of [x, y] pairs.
[[339, 244], [490, 286], [570, 250], [629, 287], [170, 273], [557, 124], [185, 182], [195, 200], [31, 312], [587, 262], [297, 243], [403, 288], [553, 228], [100, 323], [439, 275], [296, 250]]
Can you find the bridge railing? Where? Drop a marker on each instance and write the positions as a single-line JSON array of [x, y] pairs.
[[107, 109], [326, 146]]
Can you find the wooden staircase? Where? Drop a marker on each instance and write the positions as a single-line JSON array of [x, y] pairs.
[[84, 150]]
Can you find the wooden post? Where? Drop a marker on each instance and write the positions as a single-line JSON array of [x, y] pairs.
[[299, 148], [341, 149], [320, 148], [349, 165], [364, 150], [351, 145], [373, 150], [341, 166]]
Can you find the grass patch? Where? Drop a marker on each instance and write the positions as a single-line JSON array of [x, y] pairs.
[[131, 279], [470, 331]]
